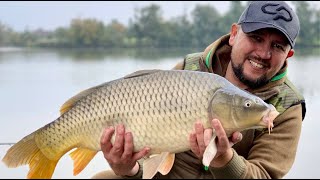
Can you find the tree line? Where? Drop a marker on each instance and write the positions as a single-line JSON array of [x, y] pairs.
[[148, 28]]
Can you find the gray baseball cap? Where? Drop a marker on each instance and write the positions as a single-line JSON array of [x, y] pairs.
[[271, 14]]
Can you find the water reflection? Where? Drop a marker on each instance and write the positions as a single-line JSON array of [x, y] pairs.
[[98, 54], [118, 53]]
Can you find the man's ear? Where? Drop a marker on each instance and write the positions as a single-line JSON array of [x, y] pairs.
[[290, 53], [233, 33]]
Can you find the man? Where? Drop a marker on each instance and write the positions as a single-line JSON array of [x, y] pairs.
[[253, 56]]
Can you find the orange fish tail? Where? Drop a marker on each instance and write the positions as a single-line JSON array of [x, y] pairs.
[[25, 152]]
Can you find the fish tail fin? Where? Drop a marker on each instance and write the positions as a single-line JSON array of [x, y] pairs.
[[81, 158], [26, 151]]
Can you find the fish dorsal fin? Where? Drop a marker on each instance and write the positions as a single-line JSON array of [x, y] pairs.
[[73, 100], [141, 73], [210, 151], [158, 163], [81, 158]]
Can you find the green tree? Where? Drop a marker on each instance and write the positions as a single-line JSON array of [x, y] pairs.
[[6, 35], [2, 34], [232, 15], [182, 31], [27, 38], [86, 32], [146, 25], [115, 34], [149, 29], [63, 37], [317, 27], [307, 30], [206, 24]]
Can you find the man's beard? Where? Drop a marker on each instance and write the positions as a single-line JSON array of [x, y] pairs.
[[238, 71]]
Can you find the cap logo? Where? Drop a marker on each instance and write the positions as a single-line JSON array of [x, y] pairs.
[[277, 11]]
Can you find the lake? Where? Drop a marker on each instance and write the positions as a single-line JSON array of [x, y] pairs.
[[34, 83]]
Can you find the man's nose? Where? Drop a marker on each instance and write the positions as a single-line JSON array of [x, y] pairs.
[[264, 51]]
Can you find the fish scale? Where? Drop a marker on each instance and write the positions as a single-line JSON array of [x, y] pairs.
[[159, 107]]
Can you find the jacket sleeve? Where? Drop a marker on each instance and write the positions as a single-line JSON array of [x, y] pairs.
[[179, 66], [139, 173], [272, 155]]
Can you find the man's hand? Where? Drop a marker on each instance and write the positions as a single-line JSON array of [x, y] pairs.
[[120, 155], [200, 139]]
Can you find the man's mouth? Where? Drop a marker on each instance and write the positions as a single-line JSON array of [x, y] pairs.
[[257, 65]]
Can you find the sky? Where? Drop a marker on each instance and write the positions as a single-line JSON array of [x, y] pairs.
[[52, 14], [49, 15]]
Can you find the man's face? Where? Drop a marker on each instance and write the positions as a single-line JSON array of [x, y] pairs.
[[257, 56]]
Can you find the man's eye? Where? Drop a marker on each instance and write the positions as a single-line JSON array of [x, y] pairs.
[[278, 46], [256, 38]]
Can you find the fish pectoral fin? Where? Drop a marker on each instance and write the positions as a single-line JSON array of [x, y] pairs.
[[81, 158], [150, 166], [141, 73], [210, 151], [158, 163], [167, 163]]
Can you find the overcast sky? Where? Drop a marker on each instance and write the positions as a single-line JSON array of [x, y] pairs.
[[49, 15]]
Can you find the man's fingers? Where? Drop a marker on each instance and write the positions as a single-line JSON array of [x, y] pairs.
[[119, 140], [105, 141], [140, 154], [194, 144], [236, 137], [224, 141], [221, 134], [200, 139], [128, 146], [207, 136], [218, 127]]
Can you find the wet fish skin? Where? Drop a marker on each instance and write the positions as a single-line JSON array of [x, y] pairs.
[[159, 107]]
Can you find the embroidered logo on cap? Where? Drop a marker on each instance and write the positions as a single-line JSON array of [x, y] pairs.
[[277, 11]]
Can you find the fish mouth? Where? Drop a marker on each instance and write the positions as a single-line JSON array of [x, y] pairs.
[[267, 119]]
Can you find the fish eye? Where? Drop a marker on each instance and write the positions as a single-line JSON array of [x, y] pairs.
[[247, 103]]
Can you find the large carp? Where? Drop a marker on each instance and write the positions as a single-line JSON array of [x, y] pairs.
[[159, 107]]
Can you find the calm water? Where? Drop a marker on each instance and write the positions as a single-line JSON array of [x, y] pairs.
[[35, 83]]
